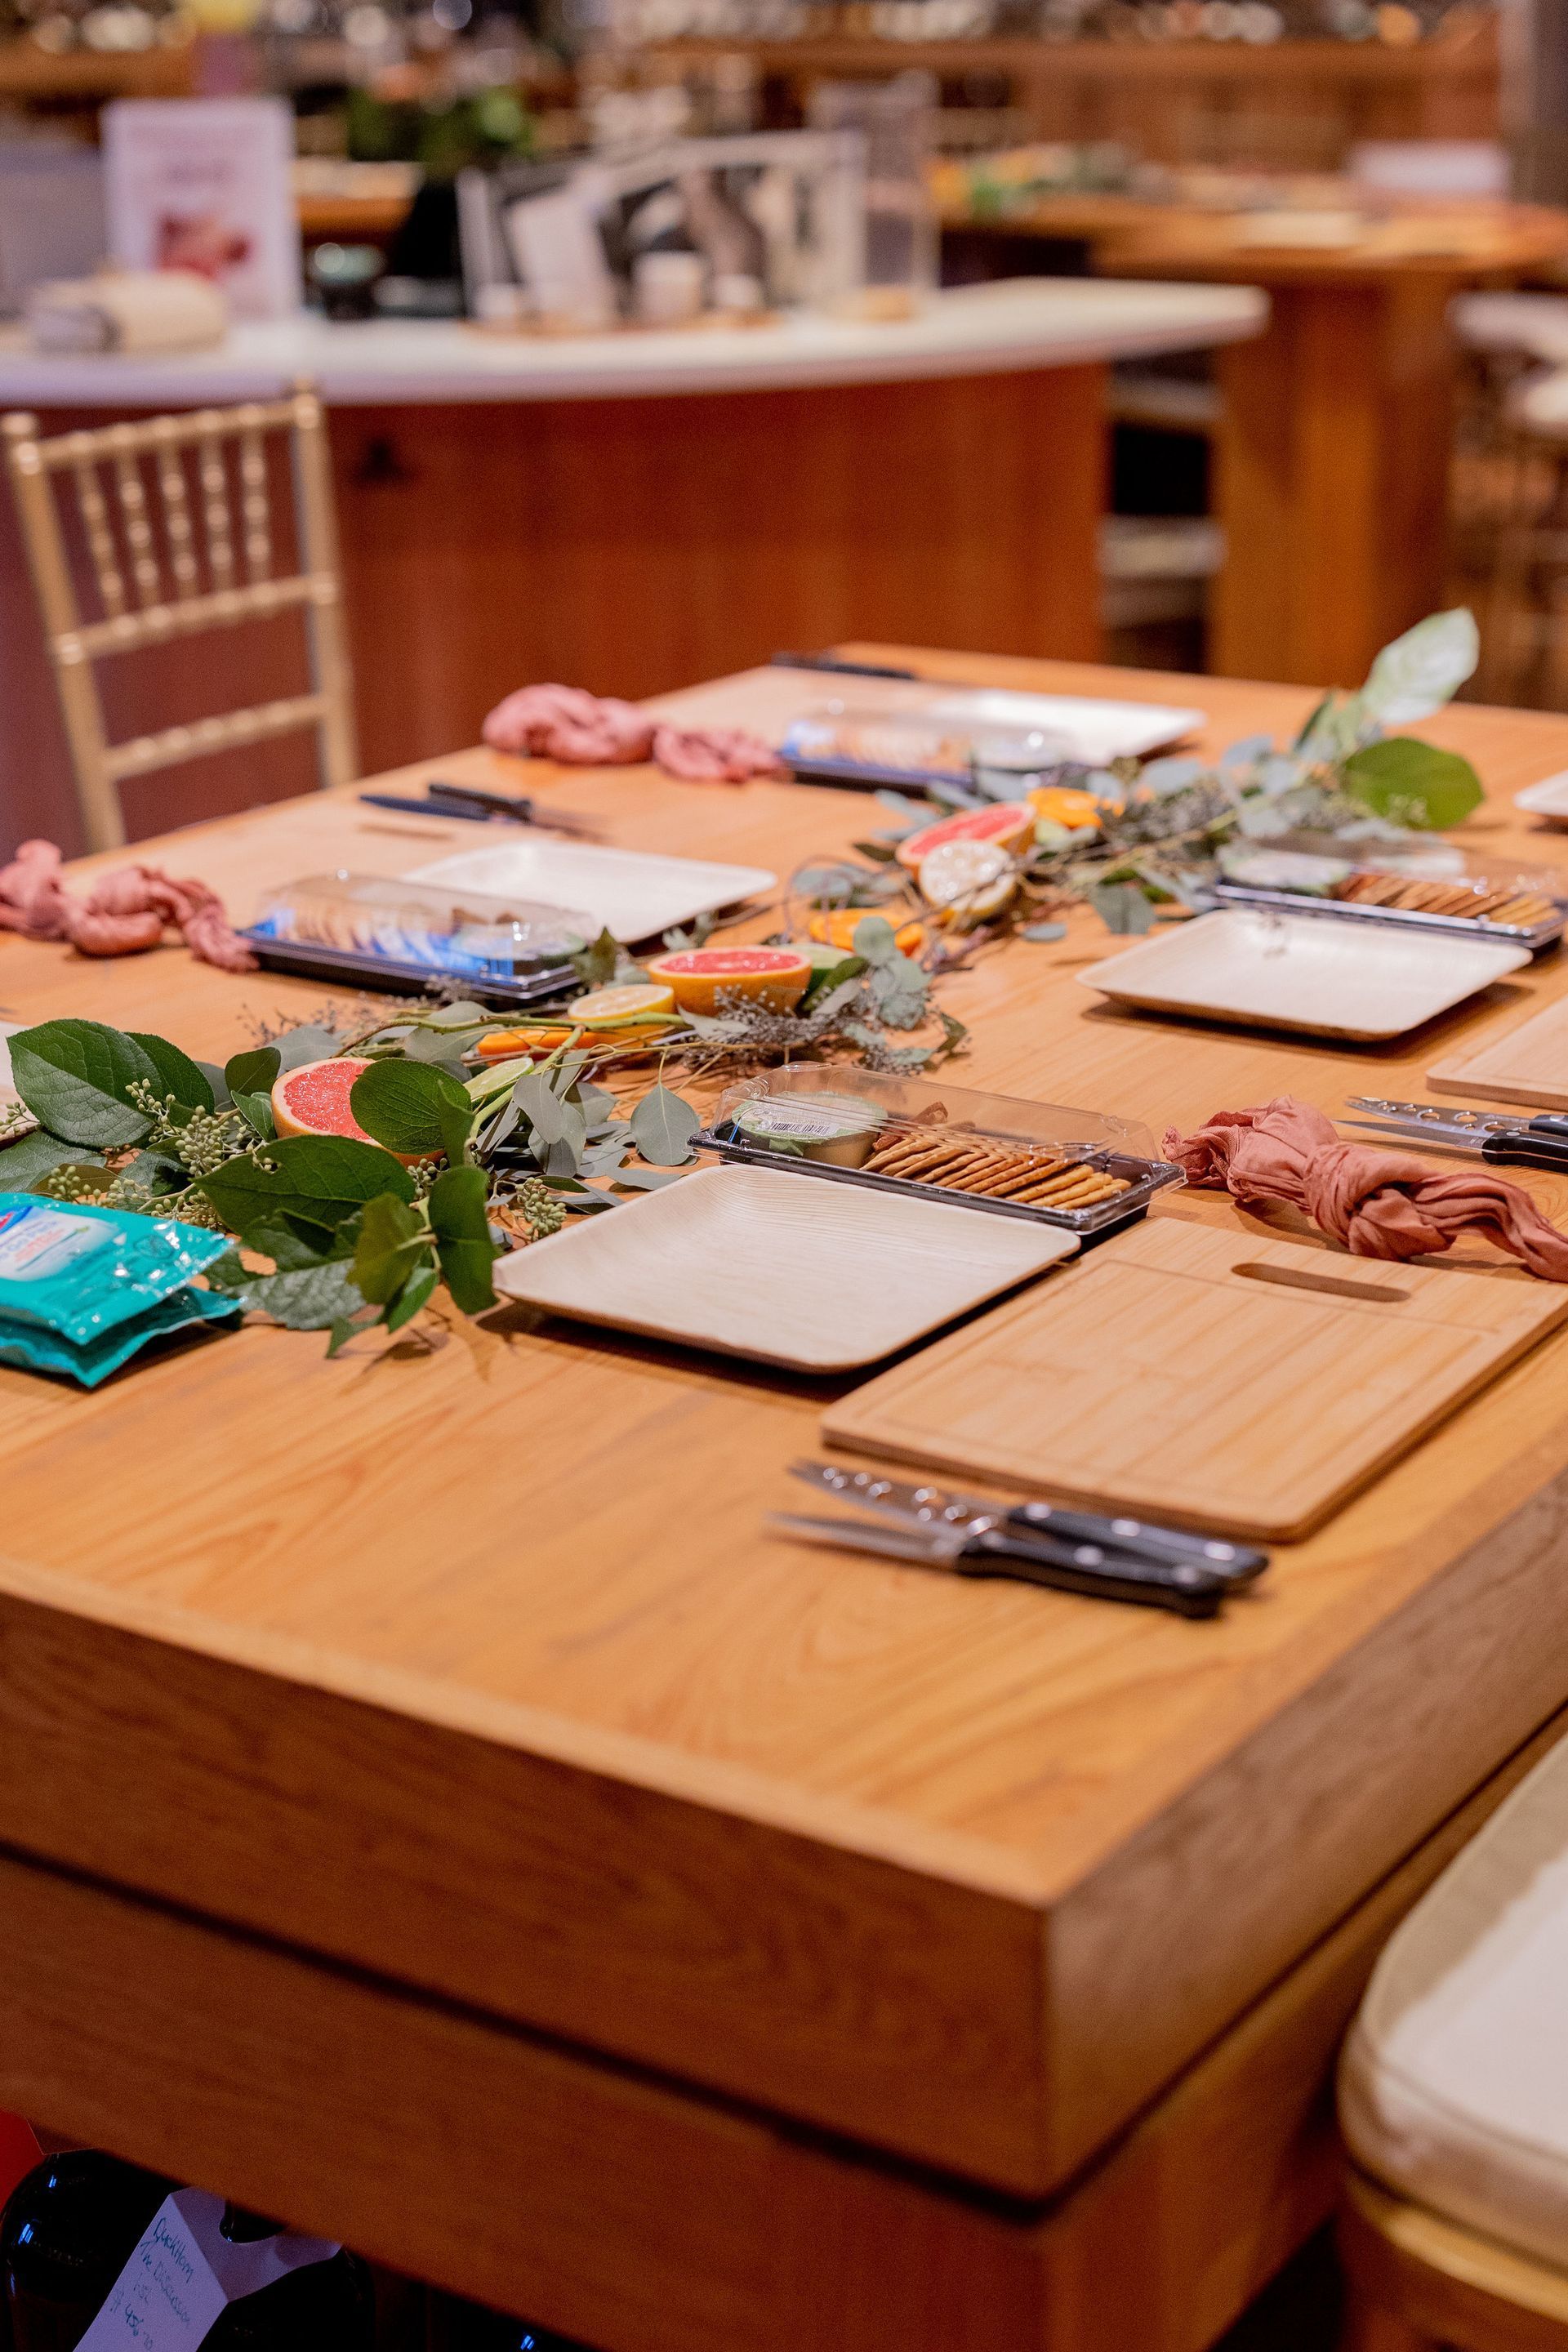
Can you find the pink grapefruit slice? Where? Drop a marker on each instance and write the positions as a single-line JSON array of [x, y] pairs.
[[1008, 824], [315, 1099], [777, 978]]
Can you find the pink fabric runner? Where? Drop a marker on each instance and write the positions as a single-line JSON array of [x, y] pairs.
[[1377, 1203], [594, 730], [123, 913]]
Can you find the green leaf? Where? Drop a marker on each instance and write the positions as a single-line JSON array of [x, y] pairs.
[[252, 1073], [663, 1125], [392, 1238], [309, 1043], [218, 1083], [309, 1298], [177, 1074], [73, 1076], [1122, 907], [412, 1297], [649, 1179], [597, 963], [255, 1110], [410, 1106], [1412, 782], [876, 941], [460, 1222], [899, 989], [1042, 932], [554, 1122], [349, 1327], [22, 1163], [1423, 669], [316, 1181]]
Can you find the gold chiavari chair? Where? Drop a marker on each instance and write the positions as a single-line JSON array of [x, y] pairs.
[[176, 517]]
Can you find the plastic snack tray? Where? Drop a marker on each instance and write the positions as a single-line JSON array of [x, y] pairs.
[[829, 1122], [400, 937]]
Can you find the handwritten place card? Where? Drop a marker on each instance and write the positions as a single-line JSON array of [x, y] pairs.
[[184, 2273]]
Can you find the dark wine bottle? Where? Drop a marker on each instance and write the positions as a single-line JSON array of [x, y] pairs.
[[72, 2224], [468, 2327]]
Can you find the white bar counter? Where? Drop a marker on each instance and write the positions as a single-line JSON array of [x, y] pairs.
[[514, 508], [1019, 323]]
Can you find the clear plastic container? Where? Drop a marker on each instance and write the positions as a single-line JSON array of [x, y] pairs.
[[1072, 1168], [391, 933], [1432, 886], [862, 745]]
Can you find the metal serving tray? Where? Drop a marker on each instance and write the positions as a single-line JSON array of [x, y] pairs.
[[1534, 936]]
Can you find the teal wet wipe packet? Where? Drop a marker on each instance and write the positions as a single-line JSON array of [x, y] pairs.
[[82, 1288]]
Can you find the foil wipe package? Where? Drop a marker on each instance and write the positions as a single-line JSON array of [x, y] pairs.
[[82, 1289]]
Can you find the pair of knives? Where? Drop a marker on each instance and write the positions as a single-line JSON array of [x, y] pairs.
[[474, 802], [1104, 1558], [1505, 1140]]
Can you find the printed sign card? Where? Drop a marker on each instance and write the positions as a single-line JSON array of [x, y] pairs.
[[206, 185]]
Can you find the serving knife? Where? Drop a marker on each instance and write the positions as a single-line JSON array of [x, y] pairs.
[[937, 1505], [1540, 1142], [1033, 1543]]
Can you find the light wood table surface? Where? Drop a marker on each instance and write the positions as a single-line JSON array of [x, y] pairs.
[[431, 1810]]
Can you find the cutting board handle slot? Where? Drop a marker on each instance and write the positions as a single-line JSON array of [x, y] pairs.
[[1380, 1293]]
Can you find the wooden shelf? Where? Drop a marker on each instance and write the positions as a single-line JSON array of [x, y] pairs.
[[29, 72]]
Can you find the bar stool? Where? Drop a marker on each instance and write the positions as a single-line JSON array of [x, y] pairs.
[[1454, 2100], [176, 520]]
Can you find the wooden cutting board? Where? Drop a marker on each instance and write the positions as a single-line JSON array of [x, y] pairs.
[[1186, 1373], [1527, 1063]]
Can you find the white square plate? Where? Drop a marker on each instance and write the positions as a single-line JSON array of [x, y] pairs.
[[818, 1277], [634, 895], [1549, 798], [1302, 971], [1098, 732]]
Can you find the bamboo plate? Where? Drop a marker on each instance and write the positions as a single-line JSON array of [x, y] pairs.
[[815, 1278], [1351, 980]]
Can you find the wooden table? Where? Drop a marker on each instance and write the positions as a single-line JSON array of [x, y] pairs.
[[432, 1811], [1336, 430]]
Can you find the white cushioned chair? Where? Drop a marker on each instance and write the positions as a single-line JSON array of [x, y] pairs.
[[1454, 2099]]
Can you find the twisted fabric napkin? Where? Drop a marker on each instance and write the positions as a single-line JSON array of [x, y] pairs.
[[1377, 1203], [596, 730], [123, 913]]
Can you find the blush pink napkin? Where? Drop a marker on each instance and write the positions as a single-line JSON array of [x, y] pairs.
[[1377, 1203], [594, 730], [122, 914]]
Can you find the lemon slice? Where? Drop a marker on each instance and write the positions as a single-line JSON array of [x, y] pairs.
[[606, 1004], [970, 880]]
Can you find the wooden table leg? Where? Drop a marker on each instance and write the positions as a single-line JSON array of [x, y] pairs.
[[1333, 479]]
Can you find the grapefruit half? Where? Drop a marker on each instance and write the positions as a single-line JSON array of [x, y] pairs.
[[1009, 823], [777, 978], [315, 1099]]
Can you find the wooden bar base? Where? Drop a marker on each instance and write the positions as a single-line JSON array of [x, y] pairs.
[[630, 546]]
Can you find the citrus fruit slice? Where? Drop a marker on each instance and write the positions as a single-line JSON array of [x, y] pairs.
[[315, 1099], [775, 978], [1062, 805], [968, 880], [1009, 823], [836, 929], [607, 1003]]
